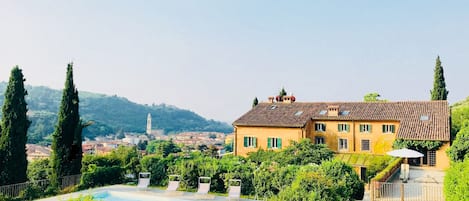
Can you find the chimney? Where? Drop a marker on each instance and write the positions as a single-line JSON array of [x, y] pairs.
[[271, 99], [289, 99], [333, 110]]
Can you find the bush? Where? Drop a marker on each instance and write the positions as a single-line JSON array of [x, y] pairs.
[[31, 192], [460, 147], [456, 184], [157, 166], [376, 165], [100, 176], [386, 173]]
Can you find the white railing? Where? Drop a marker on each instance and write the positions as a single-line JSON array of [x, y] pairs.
[[383, 191]]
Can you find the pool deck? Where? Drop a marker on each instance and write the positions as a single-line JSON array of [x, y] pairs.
[[148, 192]]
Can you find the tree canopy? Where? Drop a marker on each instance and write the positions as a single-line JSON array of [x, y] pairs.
[[373, 97], [66, 145], [14, 127], [439, 91]]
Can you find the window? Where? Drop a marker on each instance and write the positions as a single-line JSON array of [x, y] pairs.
[[298, 113], [343, 128], [319, 140], [365, 128], [320, 127], [388, 128], [322, 112], [431, 158], [343, 145], [345, 113], [275, 143], [250, 142], [365, 145], [424, 118]]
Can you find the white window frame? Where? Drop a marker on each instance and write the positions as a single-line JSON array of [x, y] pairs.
[[388, 128], [342, 127], [250, 142], [367, 126], [340, 145], [322, 127], [319, 140], [274, 142]]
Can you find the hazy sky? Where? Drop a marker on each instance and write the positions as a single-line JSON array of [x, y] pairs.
[[214, 57]]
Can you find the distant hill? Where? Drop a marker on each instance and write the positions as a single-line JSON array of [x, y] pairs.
[[110, 114]]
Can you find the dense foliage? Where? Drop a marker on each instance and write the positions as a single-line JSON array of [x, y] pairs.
[[456, 184], [460, 147], [439, 91], [162, 147], [418, 145], [332, 180], [13, 135], [109, 114], [66, 145]]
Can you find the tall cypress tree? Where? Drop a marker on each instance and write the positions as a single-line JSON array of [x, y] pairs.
[[14, 128], [255, 102], [439, 91], [66, 143]]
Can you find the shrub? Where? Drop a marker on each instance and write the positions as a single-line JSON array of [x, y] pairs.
[[386, 172], [460, 147], [456, 183], [100, 176], [377, 164], [157, 166]]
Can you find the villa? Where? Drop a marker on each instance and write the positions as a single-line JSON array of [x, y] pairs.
[[345, 127]]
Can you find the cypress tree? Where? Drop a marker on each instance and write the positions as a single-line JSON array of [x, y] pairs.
[[439, 91], [66, 143], [255, 102], [14, 128]]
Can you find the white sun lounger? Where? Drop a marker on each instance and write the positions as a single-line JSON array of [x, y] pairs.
[[143, 180], [173, 184], [234, 189], [204, 187]]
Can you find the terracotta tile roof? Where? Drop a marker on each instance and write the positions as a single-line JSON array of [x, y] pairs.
[[408, 113]]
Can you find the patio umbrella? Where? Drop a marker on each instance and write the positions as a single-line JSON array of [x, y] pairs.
[[405, 153]]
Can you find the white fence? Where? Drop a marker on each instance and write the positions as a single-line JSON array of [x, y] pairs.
[[383, 191]]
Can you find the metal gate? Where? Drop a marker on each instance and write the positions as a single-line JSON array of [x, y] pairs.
[[384, 191]]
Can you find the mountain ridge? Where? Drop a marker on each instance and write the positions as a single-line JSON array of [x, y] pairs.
[[110, 114]]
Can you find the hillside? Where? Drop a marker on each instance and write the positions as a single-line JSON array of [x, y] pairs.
[[109, 114]]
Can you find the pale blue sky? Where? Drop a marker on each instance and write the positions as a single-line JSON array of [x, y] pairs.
[[214, 57]]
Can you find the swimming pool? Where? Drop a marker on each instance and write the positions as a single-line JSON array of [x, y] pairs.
[[132, 196]]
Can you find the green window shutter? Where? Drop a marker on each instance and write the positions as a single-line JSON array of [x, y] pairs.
[[324, 127], [347, 127], [254, 141], [361, 128], [383, 128], [279, 142], [245, 141], [338, 127], [370, 128], [269, 143], [392, 128]]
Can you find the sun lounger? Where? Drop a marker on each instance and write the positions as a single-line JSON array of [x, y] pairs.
[[173, 184], [234, 189], [204, 185], [143, 180]]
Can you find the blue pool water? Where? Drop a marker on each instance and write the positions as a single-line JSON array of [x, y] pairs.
[[131, 196]]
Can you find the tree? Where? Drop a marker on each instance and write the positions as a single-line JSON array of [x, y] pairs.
[[460, 147], [14, 128], [439, 91], [281, 94], [66, 144], [255, 102], [373, 97]]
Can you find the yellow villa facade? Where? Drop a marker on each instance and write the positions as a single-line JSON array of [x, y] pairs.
[[345, 127]]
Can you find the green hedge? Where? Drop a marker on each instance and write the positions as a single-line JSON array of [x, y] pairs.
[[388, 171], [100, 176]]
